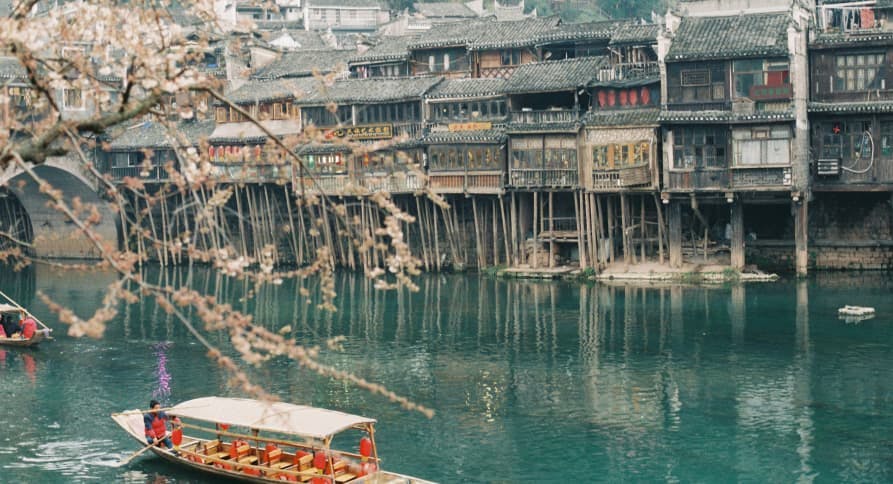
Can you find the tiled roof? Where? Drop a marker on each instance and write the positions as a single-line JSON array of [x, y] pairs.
[[303, 63], [568, 127], [374, 90], [553, 76], [519, 33], [306, 39], [635, 34], [11, 68], [622, 117], [834, 39], [604, 29], [450, 34], [390, 48], [150, 135], [467, 88], [729, 37], [852, 107], [490, 136], [723, 117], [272, 90], [444, 9]]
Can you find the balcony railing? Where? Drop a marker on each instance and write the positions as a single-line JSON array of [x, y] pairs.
[[400, 182], [629, 71], [155, 173], [498, 72], [543, 178], [462, 182], [761, 177], [609, 180], [699, 179], [700, 106], [408, 130], [544, 117]]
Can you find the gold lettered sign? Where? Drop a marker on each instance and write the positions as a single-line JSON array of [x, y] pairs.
[[369, 131], [470, 126]]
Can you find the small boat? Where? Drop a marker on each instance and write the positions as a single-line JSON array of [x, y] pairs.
[[257, 441], [31, 335]]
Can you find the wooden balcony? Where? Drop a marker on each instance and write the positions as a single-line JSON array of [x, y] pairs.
[[153, 174], [629, 71], [545, 117], [549, 178], [325, 184], [475, 182], [614, 180], [399, 182], [498, 72], [561, 229], [765, 177], [706, 179]]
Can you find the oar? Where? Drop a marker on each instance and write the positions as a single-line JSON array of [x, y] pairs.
[[136, 454], [26, 311]]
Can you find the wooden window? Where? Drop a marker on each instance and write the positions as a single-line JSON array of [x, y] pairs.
[[859, 72], [762, 146], [510, 57], [695, 77], [886, 141], [72, 99], [700, 147], [220, 114]]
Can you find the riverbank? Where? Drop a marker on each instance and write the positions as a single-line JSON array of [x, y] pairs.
[[644, 272]]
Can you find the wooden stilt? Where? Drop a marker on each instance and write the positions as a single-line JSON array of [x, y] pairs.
[[609, 201], [736, 241], [536, 222], [505, 234], [437, 258], [624, 227], [660, 229], [674, 219], [643, 229], [551, 229], [801, 235]]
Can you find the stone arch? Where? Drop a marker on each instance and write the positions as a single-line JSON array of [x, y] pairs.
[[54, 235]]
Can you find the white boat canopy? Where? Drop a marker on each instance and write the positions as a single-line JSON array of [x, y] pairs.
[[271, 416], [7, 308]]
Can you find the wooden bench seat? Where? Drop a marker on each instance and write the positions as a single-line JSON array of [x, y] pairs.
[[347, 476]]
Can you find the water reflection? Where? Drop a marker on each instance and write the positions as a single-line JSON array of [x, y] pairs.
[[632, 383]]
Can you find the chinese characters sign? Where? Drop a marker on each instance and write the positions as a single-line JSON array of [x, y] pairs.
[[369, 131]]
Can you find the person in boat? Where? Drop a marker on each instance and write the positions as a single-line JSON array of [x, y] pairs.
[[11, 325], [156, 425]]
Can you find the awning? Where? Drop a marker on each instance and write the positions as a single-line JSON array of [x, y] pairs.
[[270, 416]]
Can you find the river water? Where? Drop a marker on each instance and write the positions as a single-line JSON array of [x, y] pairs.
[[531, 381]]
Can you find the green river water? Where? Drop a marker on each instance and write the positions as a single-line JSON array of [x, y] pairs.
[[531, 381]]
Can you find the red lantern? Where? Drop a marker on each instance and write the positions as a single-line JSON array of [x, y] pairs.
[[220, 153], [624, 97], [257, 152], [646, 96], [633, 97], [319, 460], [365, 447], [612, 98], [602, 98], [210, 152]]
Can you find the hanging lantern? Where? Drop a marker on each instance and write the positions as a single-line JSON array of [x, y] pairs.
[[646, 95], [602, 98], [365, 447], [612, 98], [211, 153], [624, 97], [633, 97]]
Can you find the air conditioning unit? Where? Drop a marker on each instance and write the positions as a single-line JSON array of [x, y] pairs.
[[828, 167]]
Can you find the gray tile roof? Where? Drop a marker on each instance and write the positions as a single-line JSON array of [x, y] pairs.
[[852, 107], [753, 35], [303, 63], [262, 90], [621, 117], [467, 88], [635, 34], [389, 49], [835, 39], [695, 117], [603, 29], [551, 76], [490, 136], [450, 34], [11, 68], [373, 90], [444, 9], [518, 33], [308, 39], [569, 127], [150, 135]]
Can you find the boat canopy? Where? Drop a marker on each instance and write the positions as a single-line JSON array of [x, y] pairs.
[[7, 308], [271, 416]]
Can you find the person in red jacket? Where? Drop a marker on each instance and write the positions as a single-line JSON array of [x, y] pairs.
[[156, 425]]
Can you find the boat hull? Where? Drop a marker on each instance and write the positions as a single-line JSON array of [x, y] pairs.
[[32, 341], [132, 422]]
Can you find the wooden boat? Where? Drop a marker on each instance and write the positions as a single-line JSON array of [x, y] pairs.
[[41, 334], [258, 441]]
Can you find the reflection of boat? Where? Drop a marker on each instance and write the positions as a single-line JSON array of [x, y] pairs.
[[30, 334], [268, 442], [855, 314]]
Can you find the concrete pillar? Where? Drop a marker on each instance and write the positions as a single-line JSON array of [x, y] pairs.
[[801, 223], [737, 236], [674, 220]]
